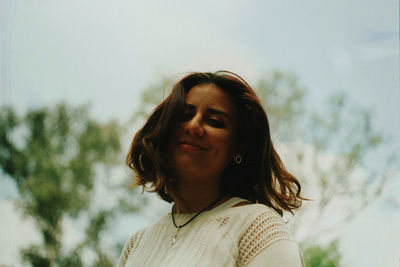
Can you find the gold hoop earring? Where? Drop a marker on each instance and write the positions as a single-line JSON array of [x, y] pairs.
[[238, 159]]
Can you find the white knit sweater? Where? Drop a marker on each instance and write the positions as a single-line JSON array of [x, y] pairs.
[[248, 235]]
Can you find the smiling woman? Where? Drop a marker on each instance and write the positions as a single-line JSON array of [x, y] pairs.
[[207, 148]]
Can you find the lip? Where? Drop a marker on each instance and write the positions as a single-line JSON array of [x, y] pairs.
[[190, 145]]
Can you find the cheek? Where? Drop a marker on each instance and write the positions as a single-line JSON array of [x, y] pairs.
[[176, 135], [225, 144], [177, 130]]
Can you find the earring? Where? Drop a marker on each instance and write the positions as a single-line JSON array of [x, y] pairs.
[[238, 159]]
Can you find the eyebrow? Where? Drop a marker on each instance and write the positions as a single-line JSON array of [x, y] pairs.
[[212, 111]]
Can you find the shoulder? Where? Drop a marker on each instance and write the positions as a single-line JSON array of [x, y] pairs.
[[253, 214], [262, 227], [123, 258], [249, 216], [255, 209], [135, 239], [283, 253], [262, 221]]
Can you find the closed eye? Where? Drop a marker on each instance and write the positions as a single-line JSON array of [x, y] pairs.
[[216, 123], [188, 113]]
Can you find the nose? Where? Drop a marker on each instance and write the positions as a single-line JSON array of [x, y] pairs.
[[194, 126]]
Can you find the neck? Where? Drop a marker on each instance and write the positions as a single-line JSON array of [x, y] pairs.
[[191, 199]]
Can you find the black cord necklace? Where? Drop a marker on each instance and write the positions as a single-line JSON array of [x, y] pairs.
[[191, 219]]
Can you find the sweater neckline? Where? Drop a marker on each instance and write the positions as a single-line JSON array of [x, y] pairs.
[[226, 204]]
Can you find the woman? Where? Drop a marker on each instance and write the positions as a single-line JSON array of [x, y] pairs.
[[207, 148]]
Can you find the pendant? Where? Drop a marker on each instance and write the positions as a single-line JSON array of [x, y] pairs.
[[175, 236]]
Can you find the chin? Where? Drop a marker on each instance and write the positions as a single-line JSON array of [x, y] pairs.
[[191, 168], [184, 160]]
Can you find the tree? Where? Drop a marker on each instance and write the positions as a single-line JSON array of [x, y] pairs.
[[327, 150], [316, 256], [53, 155]]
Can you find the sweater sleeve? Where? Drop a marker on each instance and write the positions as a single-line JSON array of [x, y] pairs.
[[126, 251], [282, 253], [257, 243]]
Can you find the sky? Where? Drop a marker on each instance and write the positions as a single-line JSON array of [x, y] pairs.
[[106, 52]]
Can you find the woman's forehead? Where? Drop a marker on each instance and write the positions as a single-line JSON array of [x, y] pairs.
[[210, 96]]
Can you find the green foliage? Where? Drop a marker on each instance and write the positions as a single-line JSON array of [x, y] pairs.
[[72, 259], [97, 224], [337, 142], [103, 260], [283, 99], [52, 154], [151, 96], [317, 256], [36, 257]]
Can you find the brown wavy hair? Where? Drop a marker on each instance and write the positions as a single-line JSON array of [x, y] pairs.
[[260, 178]]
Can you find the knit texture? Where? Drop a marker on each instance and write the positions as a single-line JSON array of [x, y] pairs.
[[223, 236]]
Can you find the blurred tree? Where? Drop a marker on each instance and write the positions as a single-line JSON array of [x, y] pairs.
[[317, 256], [328, 150], [150, 97], [53, 155]]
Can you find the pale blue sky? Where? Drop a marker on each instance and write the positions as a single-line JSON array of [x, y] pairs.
[[106, 52]]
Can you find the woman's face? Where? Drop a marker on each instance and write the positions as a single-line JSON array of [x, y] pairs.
[[203, 143]]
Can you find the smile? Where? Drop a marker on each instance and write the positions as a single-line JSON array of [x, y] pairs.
[[191, 146]]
